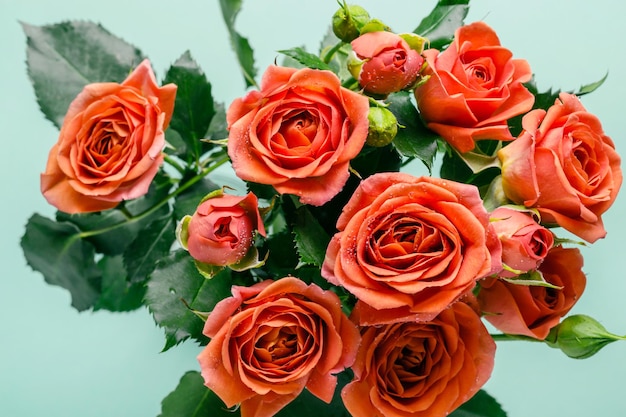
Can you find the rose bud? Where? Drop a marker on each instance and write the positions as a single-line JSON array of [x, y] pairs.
[[348, 21], [383, 127], [384, 63], [524, 242], [580, 336], [221, 231]]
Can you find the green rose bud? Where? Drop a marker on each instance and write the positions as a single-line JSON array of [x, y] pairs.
[[580, 336], [383, 127], [374, 25], [348, 22]]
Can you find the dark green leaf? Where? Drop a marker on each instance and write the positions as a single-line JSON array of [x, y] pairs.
[[187, 202], [58, 252], [413, 140], [217, 128], [283, 258], [176, 284], [194, 107], [116, 239], [308, 405], [151, 244], [64, 57], [310, 238], [306, 58], [191, 398], [439, 26], [480, 405], [117, 293], [230, 10]]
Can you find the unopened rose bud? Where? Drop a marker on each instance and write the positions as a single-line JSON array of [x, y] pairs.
[[580, 336], [348, 22], [221, 231], [389, 64], [383, 127]]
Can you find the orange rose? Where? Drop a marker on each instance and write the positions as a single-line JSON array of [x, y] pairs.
[[110, 144], [298, 133], [221, 231], [534, 310], [524, 242], [271, 340], [474, 88], [408, 247], [387, 62], [563, 165], [420, 369]]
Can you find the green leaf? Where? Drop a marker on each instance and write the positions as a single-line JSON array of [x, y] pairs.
[[218, 127], [439, 26], [191, 398], [118, 230], [241, 47], [64, 57], [306, 58], [308, 405], [591, 87], [194, 108], [117, 293], [531, 278], [413, 140], [58, 252], [150, 245], [187, 201], [175, 289], [310, 238], [480, 405]]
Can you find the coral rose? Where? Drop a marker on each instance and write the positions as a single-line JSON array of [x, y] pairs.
[[420, 369], [408, 247], [563, 165], [271, 340], [533, 310], [221, 231], [109, 147], [525, 243], [474, 88], [386, 63], [298, 133]]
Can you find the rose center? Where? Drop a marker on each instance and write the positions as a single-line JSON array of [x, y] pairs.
[[399, 241], [107, 137], [277, 343]]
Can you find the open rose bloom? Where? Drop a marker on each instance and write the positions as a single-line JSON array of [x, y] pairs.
[[564, 166], [420, 368], [534, 310], [273, 339], [473, 88], [410, 246], [298, 133], [110, 144]]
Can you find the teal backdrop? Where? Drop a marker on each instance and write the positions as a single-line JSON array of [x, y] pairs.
[[55, 362]]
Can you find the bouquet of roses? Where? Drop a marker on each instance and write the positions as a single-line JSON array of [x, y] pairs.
[[334, 281]]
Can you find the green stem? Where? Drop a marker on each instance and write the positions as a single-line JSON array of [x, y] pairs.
[[332, 51], [158, 205], [174, 164], [502, 337]]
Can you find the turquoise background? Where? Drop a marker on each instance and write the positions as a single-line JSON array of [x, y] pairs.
[[55, 362]]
